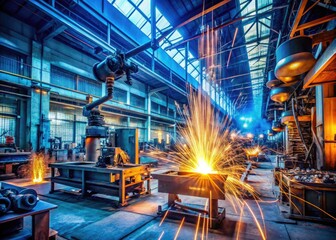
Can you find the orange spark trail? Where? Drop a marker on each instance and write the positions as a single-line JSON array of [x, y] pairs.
[[179, 229]]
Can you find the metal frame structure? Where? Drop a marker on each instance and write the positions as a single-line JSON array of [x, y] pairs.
[[115, 181]]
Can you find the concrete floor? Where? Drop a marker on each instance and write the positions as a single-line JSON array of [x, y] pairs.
[[97, 218]]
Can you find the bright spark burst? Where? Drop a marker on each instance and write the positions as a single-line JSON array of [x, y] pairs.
[[38, 167], [252, 151], [207, 147]]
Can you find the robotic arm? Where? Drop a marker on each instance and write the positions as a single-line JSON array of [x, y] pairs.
[[112, 68], [115, 66]]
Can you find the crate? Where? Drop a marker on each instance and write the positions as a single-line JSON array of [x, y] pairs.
[[284, 182], [311, 201]]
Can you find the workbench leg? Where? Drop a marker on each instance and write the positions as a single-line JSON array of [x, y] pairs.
[[40, 226], [52, 184], [122, 193], [148, 185], [213, 210], [83, 184], [171, 199]]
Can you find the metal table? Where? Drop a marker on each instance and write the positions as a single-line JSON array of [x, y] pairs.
[[40, 217], [115, 181]]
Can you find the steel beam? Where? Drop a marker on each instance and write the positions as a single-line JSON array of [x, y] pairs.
[[153, 23], [54, 13], [225, 24], [155, 90], [186, 58], [316, 22], [240, 75], [236, 47], [53, 34], [246, 87], [202, 13], [298, 17], [327, 58], [326, 36], [233, 42], [313, 5], [268, 27], [247, 60], [45, 27]]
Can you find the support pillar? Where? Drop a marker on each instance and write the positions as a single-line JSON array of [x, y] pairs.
[[326, 125], [40, 97], [149, 117]]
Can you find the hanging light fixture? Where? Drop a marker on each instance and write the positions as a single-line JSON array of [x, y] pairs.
[[281, 94], [276, 124], [294, 57], [272, 80]]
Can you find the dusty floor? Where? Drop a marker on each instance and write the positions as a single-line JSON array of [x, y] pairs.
[[96, 218]]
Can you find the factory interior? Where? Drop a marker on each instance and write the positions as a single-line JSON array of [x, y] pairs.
[[167, 119]]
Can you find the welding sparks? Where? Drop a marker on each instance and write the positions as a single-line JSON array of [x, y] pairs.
[[38, 167], [252, 151], [203, 167], [206, 144], [210, 146], [179, 229]]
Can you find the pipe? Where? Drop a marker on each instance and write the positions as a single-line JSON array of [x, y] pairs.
[[88, 107], [40, 126], [315, 138]]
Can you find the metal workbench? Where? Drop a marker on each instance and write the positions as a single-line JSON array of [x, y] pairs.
[[115, 181]]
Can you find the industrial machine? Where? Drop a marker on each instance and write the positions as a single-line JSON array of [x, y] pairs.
[[112, 169], [17, 201], [11, 159], [209, 186], [56, 151]]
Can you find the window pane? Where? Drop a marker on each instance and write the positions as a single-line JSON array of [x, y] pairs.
[[145, 7], [162, 23], [178, 57], [124, 6], [137, 19], [146, 29]]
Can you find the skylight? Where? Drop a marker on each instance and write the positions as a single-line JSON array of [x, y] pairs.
[[257, 37], [138, 12]]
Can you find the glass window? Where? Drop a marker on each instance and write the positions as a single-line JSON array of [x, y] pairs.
[[250, 31], [137, 101], [146, 29], [136, 2], [182, 64], [137, 18], [124, 6], [179, 57], [162, 24], [249, 9], [175, 37], [119, 95], [145, 7], [8, 126], [62, 78], [172, 52]]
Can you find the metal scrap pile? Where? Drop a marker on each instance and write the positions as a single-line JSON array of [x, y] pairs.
[[311, 176]]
